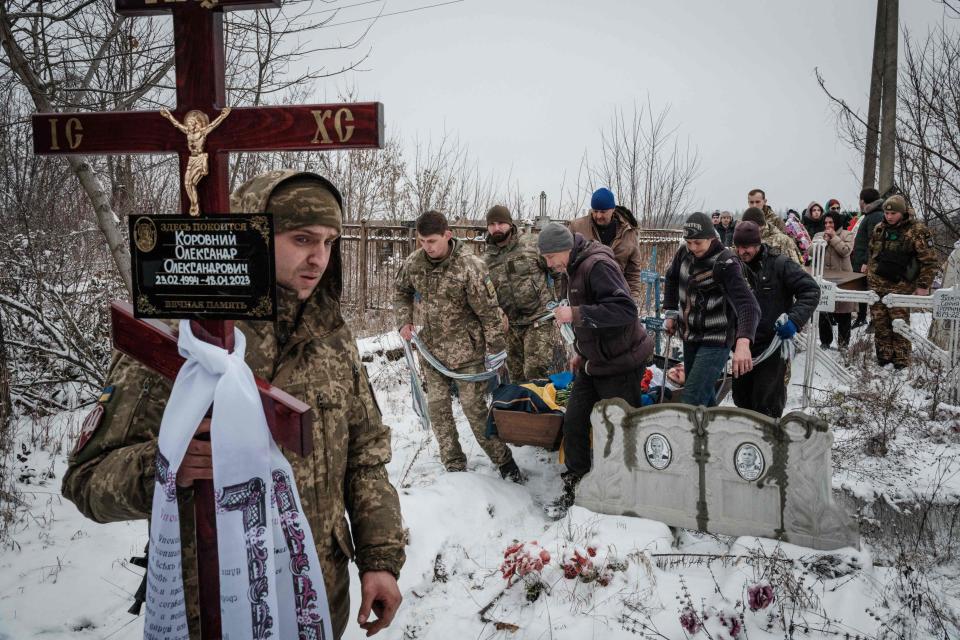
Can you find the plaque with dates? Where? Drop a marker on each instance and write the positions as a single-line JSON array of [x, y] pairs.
[[211, 268]]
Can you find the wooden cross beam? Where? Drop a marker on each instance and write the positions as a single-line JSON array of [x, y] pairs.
[[201, 98]]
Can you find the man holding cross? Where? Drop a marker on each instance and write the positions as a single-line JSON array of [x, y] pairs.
[[310, 352]]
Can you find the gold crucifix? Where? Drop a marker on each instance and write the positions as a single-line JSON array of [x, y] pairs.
[[197, 126]]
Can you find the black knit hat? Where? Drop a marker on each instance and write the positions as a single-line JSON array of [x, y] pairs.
[[754, 215], [746, 234], [499, 213], [698, 226]]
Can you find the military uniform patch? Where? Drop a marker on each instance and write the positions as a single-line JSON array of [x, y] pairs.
[[105, 395], [90, 424], [491, 290]]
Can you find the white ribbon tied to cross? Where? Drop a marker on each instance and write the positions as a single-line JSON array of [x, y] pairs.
[[271, 584]]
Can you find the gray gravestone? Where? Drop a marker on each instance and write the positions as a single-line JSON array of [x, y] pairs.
[[723, 470]]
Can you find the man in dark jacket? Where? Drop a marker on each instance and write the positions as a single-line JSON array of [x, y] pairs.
[[611, 346], [708, 302], [725, 228], [780, 286], [871, 205], [871, 214]]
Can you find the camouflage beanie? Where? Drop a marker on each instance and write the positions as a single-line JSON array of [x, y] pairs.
[[895, 203], [303, 201], [499, 213]]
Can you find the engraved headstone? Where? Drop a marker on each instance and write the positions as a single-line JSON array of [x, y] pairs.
[[723, 470]]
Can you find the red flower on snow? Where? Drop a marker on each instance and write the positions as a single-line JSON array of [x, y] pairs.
[[522, 558], [689, 620], [760, 595]]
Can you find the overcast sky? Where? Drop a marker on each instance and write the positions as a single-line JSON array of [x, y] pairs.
[[527, 84]]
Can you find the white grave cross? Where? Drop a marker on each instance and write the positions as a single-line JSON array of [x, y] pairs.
[[945, 305], [830, 295]]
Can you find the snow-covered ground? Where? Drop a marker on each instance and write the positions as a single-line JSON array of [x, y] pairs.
[[66, 577]]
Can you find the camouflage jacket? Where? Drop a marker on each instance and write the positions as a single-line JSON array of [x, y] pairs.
[[458, 305], [908, 247], [773, 219], [111, 475], [780, 241], [521, 277]]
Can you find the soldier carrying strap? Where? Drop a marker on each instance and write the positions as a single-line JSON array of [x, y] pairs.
[[141, 595]]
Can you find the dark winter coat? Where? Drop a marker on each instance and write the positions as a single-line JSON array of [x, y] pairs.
[[726, 233], [780, 286], [812, 226], [861, 246], [609, 335], [711, 294]]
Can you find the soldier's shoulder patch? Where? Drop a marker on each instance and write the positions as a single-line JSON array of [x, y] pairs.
[[488, 283], [105, 395], [89, 427]]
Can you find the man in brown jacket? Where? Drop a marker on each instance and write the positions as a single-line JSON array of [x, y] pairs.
[[615, 227], [310, 353]]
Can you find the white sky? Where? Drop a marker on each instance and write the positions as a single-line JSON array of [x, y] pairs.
[[527, 84]]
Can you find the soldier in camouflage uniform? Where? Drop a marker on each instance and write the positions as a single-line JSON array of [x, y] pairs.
[[758, 198], [308, 352], [524, 287], [901, 260], [461, 328], [772, 236]]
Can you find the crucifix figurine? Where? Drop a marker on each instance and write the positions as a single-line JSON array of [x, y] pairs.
[[200, 88], [196, 125]]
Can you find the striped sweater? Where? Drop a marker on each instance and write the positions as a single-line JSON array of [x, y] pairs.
[[714, 302]]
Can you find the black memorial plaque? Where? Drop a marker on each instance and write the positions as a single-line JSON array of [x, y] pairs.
[[217, 267]]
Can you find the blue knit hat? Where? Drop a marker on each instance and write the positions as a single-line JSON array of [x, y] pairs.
[[602, 200]]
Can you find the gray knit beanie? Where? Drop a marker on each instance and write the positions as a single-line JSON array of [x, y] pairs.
[[554, 237]]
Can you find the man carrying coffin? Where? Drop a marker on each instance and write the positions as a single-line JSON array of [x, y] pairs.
[[311, 354]]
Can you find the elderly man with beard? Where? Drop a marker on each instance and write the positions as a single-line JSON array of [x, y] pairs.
[[614, 226], [524, 287]]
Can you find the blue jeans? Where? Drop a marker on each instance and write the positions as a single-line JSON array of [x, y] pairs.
[[703, 365]]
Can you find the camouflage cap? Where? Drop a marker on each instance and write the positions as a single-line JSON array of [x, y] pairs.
[[295, 198], [895, 203]]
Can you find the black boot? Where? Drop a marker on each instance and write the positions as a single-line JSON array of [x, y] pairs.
[[559, 507], [510, 471]]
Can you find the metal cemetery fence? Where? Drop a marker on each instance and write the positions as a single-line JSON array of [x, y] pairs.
[[373, 253]]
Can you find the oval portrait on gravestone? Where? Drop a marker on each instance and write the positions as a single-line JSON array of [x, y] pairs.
[[749, 462], [145, 235], [657, 450]]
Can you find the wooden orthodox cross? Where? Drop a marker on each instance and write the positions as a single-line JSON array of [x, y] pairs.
[[202, 130]]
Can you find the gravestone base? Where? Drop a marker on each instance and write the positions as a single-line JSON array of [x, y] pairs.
[[722, 470]]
